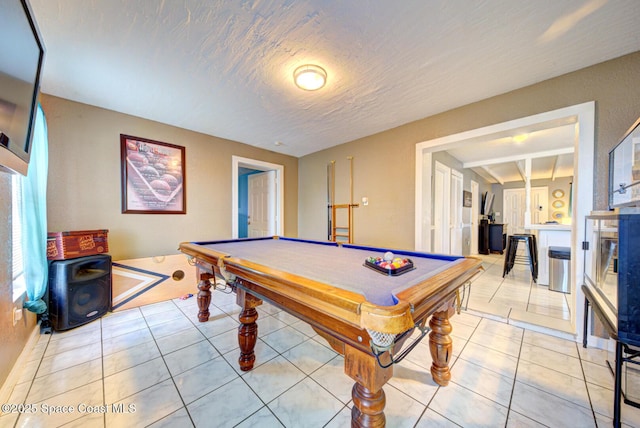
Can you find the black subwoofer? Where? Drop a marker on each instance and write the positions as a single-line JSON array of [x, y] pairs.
[[79, 290]]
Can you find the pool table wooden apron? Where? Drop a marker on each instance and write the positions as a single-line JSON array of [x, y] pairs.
[[344, 318]]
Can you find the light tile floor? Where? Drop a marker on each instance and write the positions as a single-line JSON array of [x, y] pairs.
[[158, 366], [517, 298]]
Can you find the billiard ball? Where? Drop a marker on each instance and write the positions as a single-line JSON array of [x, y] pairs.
[[388, 256]]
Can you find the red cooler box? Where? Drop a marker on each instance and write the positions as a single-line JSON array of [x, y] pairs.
[[79, 243]]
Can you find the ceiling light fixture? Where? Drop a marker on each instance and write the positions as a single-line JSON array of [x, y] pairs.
[[310, 77], [520, 138]]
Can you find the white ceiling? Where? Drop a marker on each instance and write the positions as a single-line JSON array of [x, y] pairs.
[[499, 158], [225, 68]]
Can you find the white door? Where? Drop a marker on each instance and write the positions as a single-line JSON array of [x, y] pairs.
[[262, 204], [539, 205], [455, 236], [475, 215], [441, 206], [513, 210], [514, 206]]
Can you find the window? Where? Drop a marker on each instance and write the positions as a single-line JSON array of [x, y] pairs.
[[19, 286]]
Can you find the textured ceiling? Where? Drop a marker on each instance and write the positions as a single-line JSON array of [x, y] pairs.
[[225, 68]]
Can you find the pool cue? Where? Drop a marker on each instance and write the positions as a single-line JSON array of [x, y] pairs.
[[331, 183], [350, 159], [329, 204]]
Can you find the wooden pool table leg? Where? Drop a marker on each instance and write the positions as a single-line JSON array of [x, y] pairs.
[[368, 397], [248, 329], [368, 407], [440, 345], [204, 296]]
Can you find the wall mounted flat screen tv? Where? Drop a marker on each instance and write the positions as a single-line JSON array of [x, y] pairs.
[[624, 170], [21, 59]]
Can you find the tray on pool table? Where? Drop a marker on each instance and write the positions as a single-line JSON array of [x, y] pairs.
[[377, 264]]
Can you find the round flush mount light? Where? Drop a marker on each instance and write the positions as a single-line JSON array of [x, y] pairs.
[[520, 138], [310, 77]]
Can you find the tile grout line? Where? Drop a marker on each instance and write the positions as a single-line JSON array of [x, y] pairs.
[[586, 385], [515, 377], [184, 405]]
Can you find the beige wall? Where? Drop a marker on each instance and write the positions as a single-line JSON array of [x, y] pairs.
[[385, 163], [84, 180]]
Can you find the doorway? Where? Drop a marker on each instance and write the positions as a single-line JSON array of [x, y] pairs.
[[582, 116], [447, 223], [441, 212], [273, 204], [456, 213]]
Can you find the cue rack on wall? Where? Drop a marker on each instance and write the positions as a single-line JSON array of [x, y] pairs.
[[337, 232]]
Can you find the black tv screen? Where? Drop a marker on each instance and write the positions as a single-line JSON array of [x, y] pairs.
[[21, 58]]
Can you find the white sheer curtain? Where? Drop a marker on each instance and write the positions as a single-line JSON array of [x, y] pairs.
[[34, 218]]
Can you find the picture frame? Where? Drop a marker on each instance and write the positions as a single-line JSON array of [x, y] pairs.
[[153, 176], [466, 199]]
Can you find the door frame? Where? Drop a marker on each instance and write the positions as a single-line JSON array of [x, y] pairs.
[[583, 116], [456, 229], [238, 162], [474, 222], [442, 231]]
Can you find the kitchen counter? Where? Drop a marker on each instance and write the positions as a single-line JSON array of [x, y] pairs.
[[549, 226], [549, 235]]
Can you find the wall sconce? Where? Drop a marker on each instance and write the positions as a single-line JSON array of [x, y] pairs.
[[310, 77]]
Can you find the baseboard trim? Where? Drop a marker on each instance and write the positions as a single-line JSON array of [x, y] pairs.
[[16, 370]]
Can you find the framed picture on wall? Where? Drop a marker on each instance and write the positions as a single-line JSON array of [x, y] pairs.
[[153, 177], [466, 199]]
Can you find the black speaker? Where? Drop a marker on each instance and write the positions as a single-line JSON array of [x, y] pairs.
[[79, 290]]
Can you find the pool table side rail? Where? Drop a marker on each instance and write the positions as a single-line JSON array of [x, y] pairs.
[[338, 322], [265, 280], [436, 290], [413, 305], [407, 253]]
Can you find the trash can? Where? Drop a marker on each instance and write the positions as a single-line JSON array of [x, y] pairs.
[[559, 269]]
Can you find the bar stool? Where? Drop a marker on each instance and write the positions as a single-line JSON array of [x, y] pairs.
[[531, 258]]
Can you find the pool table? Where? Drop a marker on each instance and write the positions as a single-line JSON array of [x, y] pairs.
[[365, 314]]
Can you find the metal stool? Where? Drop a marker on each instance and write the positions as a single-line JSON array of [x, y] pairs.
[[510, 257]]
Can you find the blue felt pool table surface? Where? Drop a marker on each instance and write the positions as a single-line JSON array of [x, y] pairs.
[[341, 266]]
